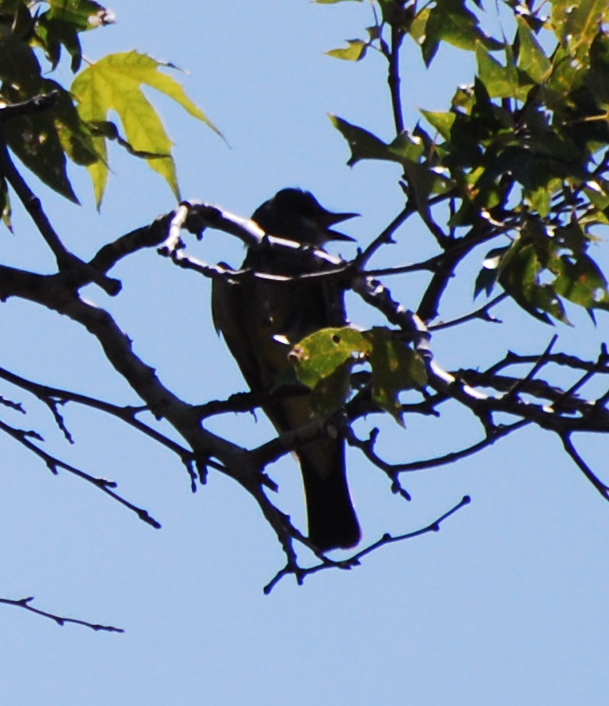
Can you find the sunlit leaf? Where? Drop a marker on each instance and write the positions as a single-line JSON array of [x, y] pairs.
[[115, 83], [442, 122], [354, 52], [578, 23], [531, 58], [319, 355], [500, 81]]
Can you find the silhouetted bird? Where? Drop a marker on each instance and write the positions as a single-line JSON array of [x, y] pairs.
[[261, 321]]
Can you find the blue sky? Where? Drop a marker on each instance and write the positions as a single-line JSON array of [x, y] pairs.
[[505, 605]]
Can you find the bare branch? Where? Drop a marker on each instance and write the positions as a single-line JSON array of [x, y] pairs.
[[482, 313], [602, 488], [355, 560], [53, 396], [59, 619], [393, 470], [600, 364], [393, 77], [54, 464], [539, 363]]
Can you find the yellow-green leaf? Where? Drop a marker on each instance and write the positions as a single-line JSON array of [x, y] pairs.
[[331, 392], [115, 83], [319, 355], [354, 52], [443, 122], [532, 58], [499, 81]]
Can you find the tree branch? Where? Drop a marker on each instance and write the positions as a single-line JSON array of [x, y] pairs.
[[59, 619], [351, 562]]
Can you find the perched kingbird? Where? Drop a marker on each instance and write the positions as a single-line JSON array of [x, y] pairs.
[[261, 320]]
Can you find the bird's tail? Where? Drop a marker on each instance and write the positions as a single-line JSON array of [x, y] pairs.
[[331, 516]]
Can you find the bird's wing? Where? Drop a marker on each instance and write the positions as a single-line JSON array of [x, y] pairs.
[[241, 313]]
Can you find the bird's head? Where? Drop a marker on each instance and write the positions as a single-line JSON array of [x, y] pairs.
[[297, 215]]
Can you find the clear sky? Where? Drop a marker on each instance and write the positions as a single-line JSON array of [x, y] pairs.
[[505, 605]]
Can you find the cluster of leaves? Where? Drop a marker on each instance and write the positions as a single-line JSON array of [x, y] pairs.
[[325, 360], [520, 153], [76, 127]]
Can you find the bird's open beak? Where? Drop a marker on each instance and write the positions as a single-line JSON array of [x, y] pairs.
[[329, 219]]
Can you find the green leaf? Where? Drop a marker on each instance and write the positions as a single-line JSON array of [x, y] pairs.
[[332, 392], [19, 69], [35, 139], [520, 276], [500, 81], [319, 355], [83, 14], [74, 135], [399, 15], [354, 52], [395, 367], [363, 144], [408, 149], [324, 360], [597, 79], [576, 24], [62, 23], [544, 298], [442, 122], [581, 281], [450, 21], [531, 57], [417, 28], [114, 83]]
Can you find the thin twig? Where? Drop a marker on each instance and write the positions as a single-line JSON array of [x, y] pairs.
[[481, 313], [59, 619], [569, 393], [583, 466], [53, 464], [539, 363], [394, 469], [355, 560]]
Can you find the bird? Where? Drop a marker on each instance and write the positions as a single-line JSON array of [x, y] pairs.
[[261, 320]]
